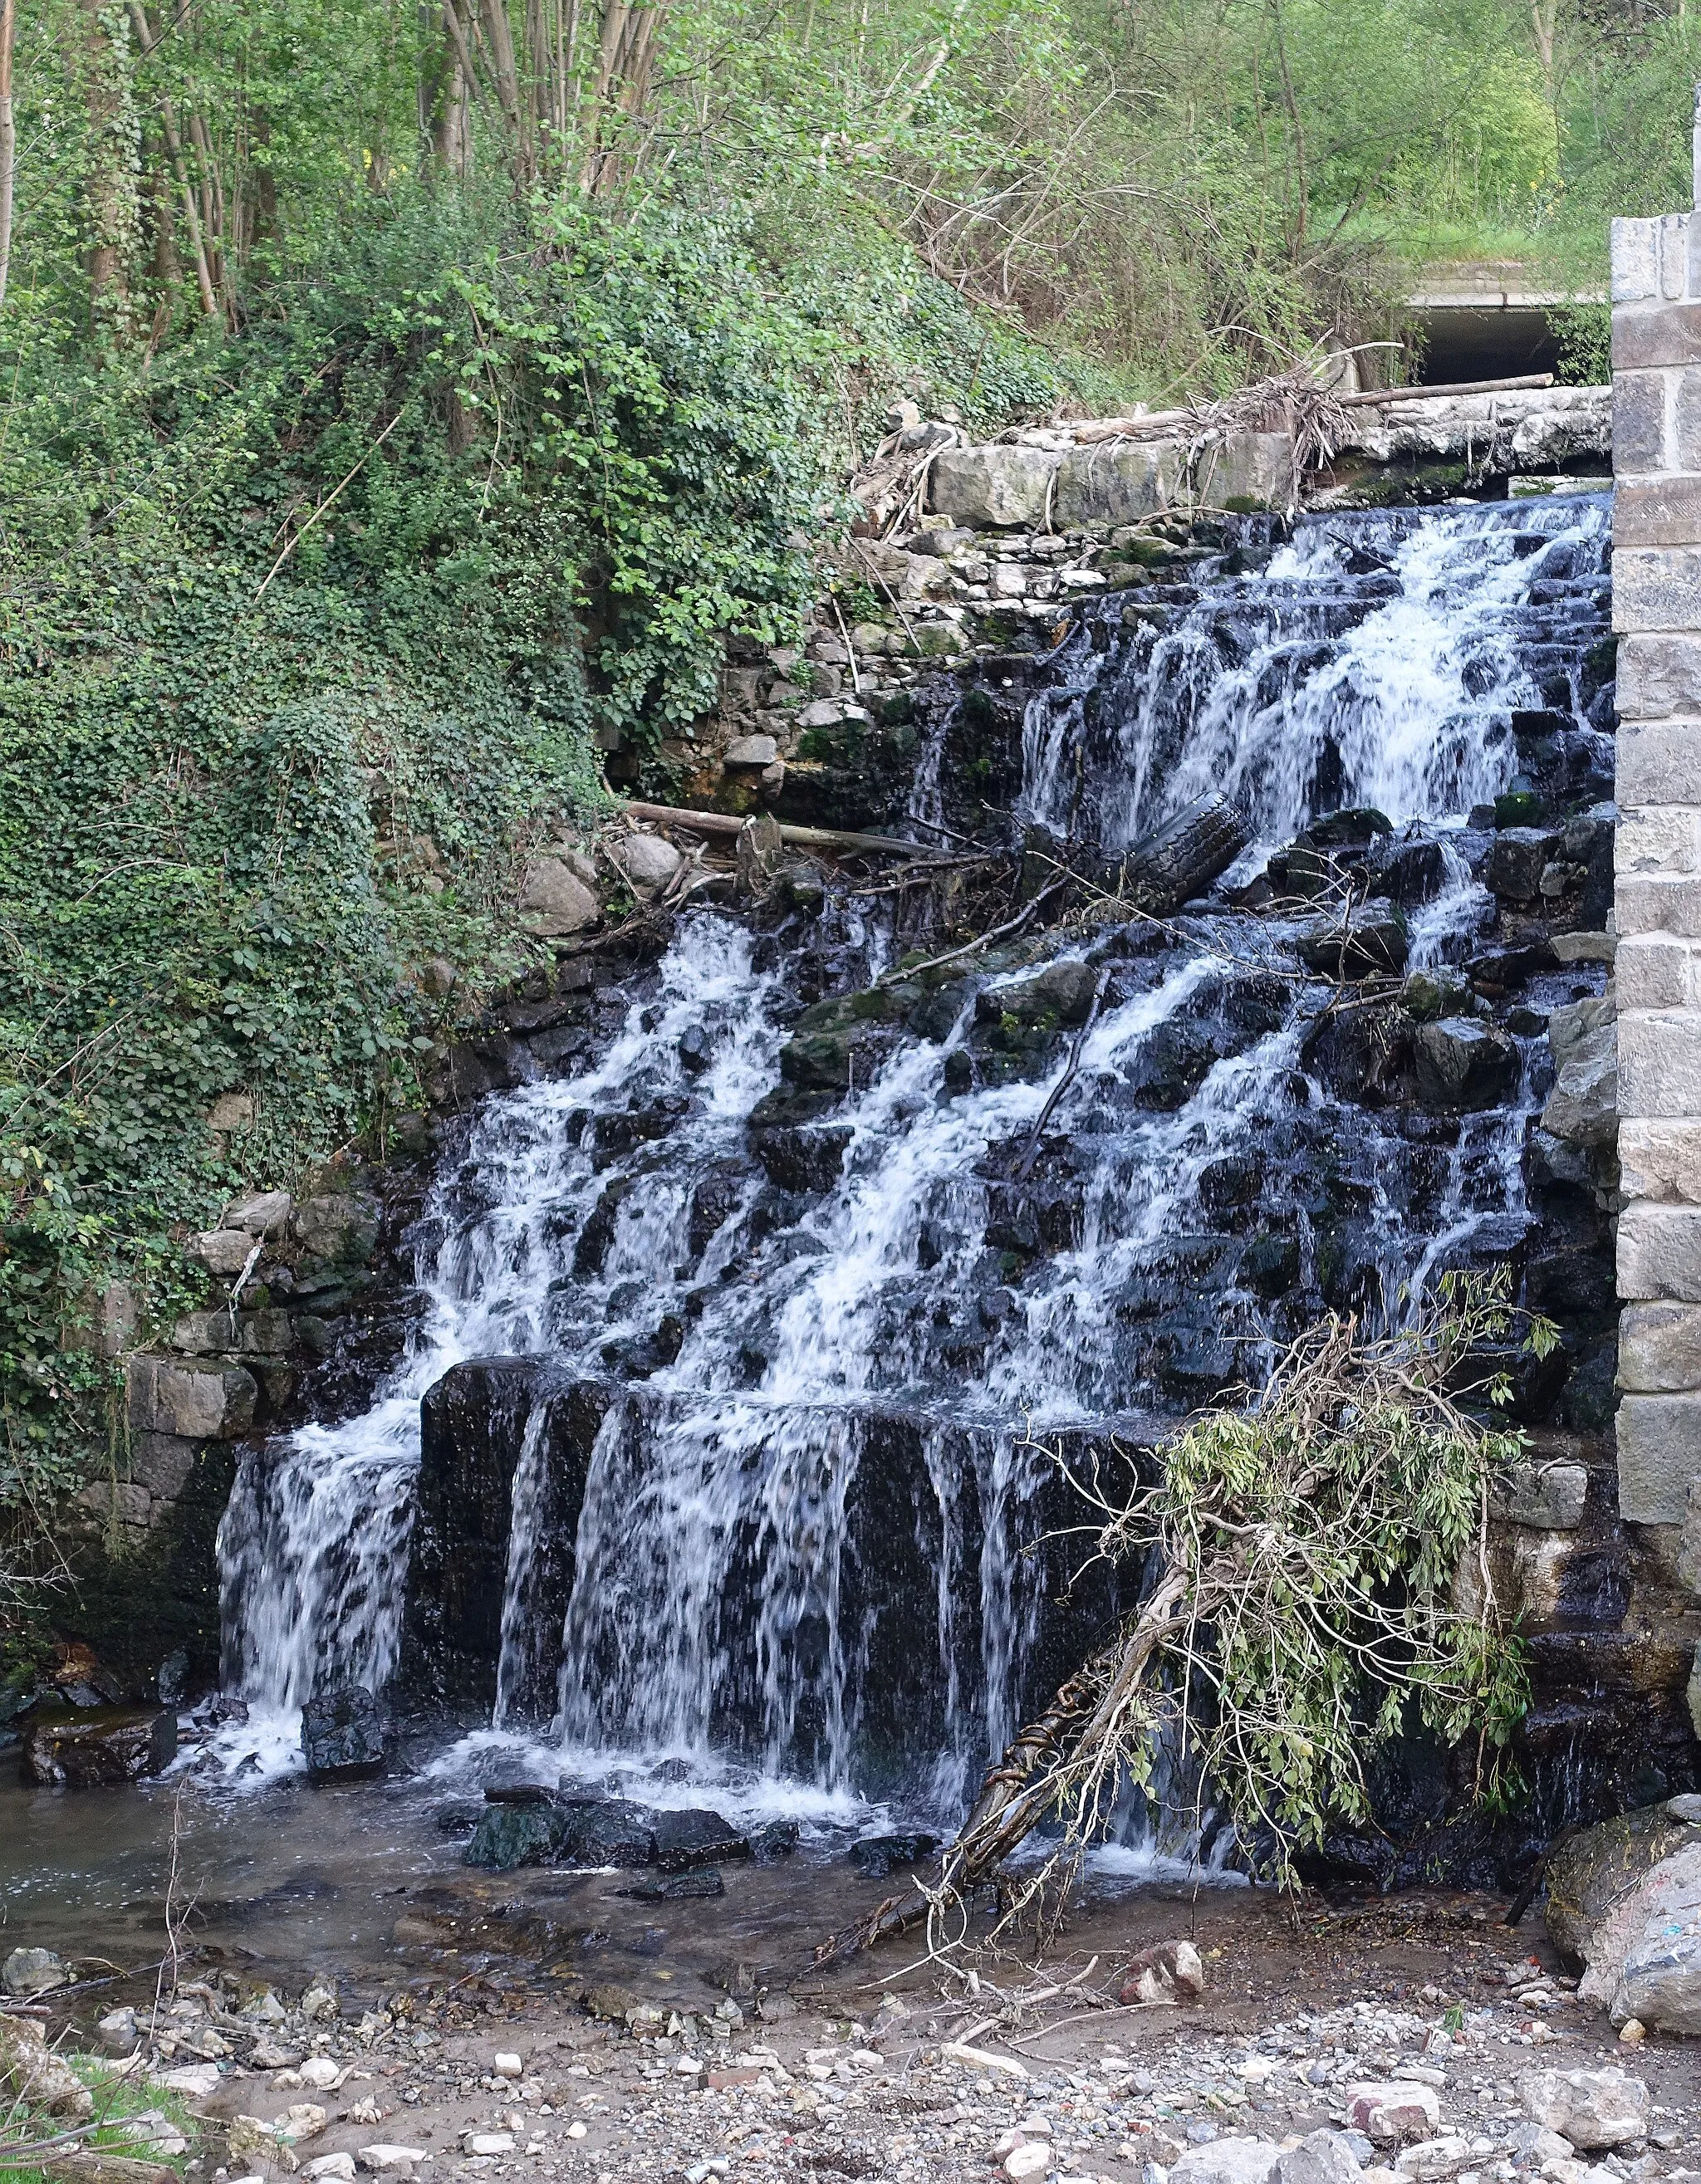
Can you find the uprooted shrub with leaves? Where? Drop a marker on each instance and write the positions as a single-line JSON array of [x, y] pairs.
[[1320, 1576]]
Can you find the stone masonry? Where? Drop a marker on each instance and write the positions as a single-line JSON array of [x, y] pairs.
[[1656, 290]]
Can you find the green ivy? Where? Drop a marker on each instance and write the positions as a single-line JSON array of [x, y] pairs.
[[305, 638]]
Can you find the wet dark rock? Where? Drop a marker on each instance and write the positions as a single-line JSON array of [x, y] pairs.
[[773, 1840], [1270, 1266], [687, 1839], [610, 1832], [343, 1734], [459, 1818], [1462, 1063], [90, 1747], [877, 1856], [700, 1883], [1355, 825], [1372, 943], [934, 1016], [1411, 872], [508, 1836], [1518, 860], [517, 1793], [696, 1049], [804, 1158], [1060, 995], [1428, 995]]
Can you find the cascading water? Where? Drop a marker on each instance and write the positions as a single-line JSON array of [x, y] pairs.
[[831, 1293]]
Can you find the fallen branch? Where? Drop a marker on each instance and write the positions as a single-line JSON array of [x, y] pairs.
[[832, 839], [1322, 1573]]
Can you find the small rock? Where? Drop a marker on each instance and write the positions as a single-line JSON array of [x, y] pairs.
[[1324, 2157], [1229, 2161], [261, 1213], [1163, 1973], [507, 2065], [117, 2032], [343, 1735], [30, 1972], [301, 2120], [321, 2001], [687, 1839], [876, 1855], [1463, 1064], [265, 2054], [339, 2165], [378, 2159], [507, 1836], [756, 751], [1595, 2109], [320, 2071], [1633, 2032], [647, 861], [1032, 2157], [28, 2068], [221, 1252], [1390, 2112], [196, 2080]]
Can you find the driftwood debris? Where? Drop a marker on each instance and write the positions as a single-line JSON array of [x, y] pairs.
[[834, 841]]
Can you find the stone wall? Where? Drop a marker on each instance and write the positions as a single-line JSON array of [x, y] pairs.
[[1656, 288]]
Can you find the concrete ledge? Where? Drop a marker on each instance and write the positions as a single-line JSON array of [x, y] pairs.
[[1660, 1161], [1659, 1252], [1659, 1349], [1658, 1454], [1118, 483]]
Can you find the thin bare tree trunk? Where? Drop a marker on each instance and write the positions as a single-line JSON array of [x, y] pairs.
[[626, 56], [8, 139], [146, 38], [451, 133], [500, 41], [111, 195]]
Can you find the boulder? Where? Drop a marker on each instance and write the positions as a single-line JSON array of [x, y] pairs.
[[646, 860], [993, 488], [343, 1735], [30, 1972], [1371, 944], [1392, 2111], [260, 1213], [755, 752], [117, 2032], [1061, 994], [1548, 1497], [337, 1228], [1595, 2110], [92, 1747], [1429, 995], [1462, 1063], [31, 2073], [1518, 860], [1117, 482], [193, 1401], [1227, 2161], [554, 900], [876, 1855], [608, 1832], [1323, 2156], [1569, 1027], [221, 1252], [1582, 1107], [688, 1839], [1623, 1898]]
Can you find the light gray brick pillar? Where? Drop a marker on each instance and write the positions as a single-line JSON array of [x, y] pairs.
[[1656, 290]]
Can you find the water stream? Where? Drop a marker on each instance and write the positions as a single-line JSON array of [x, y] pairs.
[[833, 1351]]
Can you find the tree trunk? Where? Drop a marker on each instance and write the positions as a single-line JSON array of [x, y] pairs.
[[625, 57], [8, 139], [146, 36], [111, 195], [498, 40], [452, 108]]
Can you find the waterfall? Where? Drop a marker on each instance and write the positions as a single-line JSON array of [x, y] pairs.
[[811, 1508]]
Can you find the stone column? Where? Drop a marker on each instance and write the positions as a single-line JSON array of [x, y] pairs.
[[1656, 290]]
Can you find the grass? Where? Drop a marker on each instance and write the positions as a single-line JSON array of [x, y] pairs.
[[116, 2097]]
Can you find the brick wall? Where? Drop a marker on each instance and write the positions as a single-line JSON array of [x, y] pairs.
[[1656, 289]]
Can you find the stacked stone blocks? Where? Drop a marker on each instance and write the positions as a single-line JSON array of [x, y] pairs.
[[1656, 289]]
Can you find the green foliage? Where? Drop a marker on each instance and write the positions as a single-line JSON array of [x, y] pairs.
[[304, 636], [1323, 1582]]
